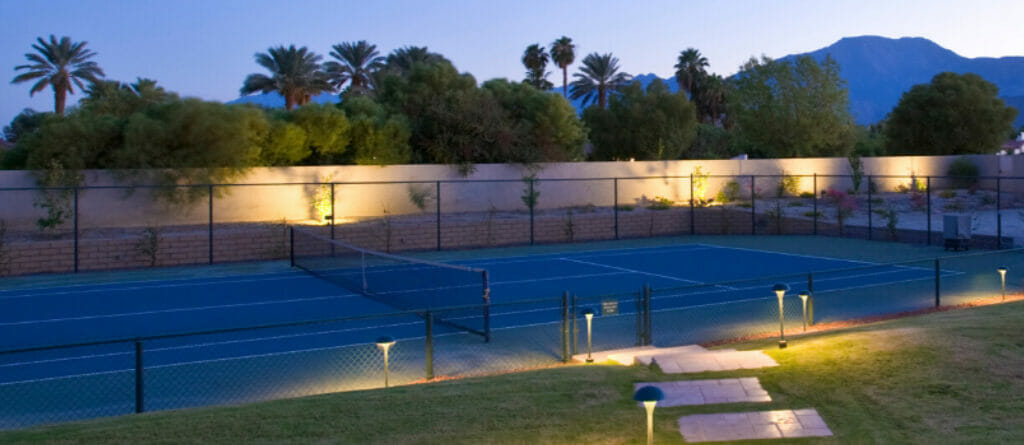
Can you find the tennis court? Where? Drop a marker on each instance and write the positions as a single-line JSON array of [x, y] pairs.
[[74, 314]]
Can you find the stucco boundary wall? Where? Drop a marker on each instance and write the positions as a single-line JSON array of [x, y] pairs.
[[276, 194]]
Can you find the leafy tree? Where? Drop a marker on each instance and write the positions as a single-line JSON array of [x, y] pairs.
[[355, 64], [711, 99], [378, 137], [59, 65], [122, 100], [870, 140], [402, 60], [691, 68], [24, 123], [285, 144], [545, 125], [712, 142], [597, 77], [563, 53], [326, 130], [792, 108], [295, 74], [535, 59], [650, 125], [954, 114]]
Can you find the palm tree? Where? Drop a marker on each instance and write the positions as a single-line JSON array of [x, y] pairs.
[[536, 60], [563, 54], [402, 59], [358, 61], [59, 65], [690, 69], [295, 74], [710, 99], [599, 75]]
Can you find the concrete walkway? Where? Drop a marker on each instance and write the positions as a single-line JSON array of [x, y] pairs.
[[753, 425], [685, 359], [706, 392]]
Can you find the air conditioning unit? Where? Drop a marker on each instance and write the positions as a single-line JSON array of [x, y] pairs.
[[956, 231]]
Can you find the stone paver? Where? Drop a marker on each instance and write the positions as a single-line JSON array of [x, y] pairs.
[[706, 392], [753, 425], [713, 361]]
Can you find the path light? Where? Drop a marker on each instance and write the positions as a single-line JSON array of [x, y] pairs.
[[803, 298], [384, 343], [588, 313], [1002, 277], [780, 291], [649, 395]]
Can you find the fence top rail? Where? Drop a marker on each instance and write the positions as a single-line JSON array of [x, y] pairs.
[[480, 181]]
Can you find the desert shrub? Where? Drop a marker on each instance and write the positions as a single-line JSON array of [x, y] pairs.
[[964, 173], [729, 193], [660, 203]]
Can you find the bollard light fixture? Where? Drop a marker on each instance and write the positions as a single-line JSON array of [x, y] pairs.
[[803, 298], [780, 290], [384, 344], [649, 396], [1002, 278], [588, 313]]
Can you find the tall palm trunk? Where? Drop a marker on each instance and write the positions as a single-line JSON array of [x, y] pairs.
[[601, 96], [60, 96], [565, 81], [289, 102]]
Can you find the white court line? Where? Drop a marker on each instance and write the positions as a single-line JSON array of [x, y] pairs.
[[799, 255], [667, 277]]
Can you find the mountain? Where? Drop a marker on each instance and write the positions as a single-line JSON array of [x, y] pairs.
[[878, 70], [275, 100]]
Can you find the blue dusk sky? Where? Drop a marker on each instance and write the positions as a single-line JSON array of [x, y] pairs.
[[205, 48]]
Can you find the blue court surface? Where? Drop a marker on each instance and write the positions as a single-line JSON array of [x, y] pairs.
[[124, 310]]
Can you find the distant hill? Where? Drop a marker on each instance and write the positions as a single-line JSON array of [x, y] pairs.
[[878, 70]]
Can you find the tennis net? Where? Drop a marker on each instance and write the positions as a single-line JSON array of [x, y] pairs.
[[405, 283]]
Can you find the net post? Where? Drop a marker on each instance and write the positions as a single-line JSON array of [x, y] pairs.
[[999, 214], [647, 315], [210, 228], [928, 200], [565, 327], [938, 300], [291, 244], [815, 185], [75, 252], [870, 225], [362, 269], [615, 204], [692, 205], [753, 206], [487, 307], [640, 316], [437, 192], [429, 320], [140, 396], [533, 203]]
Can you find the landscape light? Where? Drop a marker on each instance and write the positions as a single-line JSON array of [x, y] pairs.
[[1002, 278], [385, 343], [588, 313], [803, 297], [780, 291], [649, 395]]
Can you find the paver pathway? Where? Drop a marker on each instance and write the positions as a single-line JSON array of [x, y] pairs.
[[706, 392], [753, 425], [685, 359]]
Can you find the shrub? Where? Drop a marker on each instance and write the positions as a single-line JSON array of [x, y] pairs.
[[844, 203], [807, 195], [789, 185], [891, 217], [811, 214], [660, 203], [947, 194], [918, 200], [729, 193], [700, 186], [964, 173], [625, 208], [856, 171], [530, 192], [419, 196]]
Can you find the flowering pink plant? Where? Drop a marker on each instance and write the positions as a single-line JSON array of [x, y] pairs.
[[844, 204]]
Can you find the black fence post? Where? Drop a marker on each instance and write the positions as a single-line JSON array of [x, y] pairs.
[[140, 386], [210, 228], [533, 203], [429, 320], [938, 301], [753, 207], [291, 244], [815, 182], [334, 213], [640, 334], [870, 225], [75, 253], [928, 201], [565, 327], [487, 308], [692, 205], [999, 214], [615, 204], [810, 282], [575, 326], [438, 211], [647, 315]]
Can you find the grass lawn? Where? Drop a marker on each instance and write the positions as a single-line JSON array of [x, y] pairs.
[[951, 377]]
